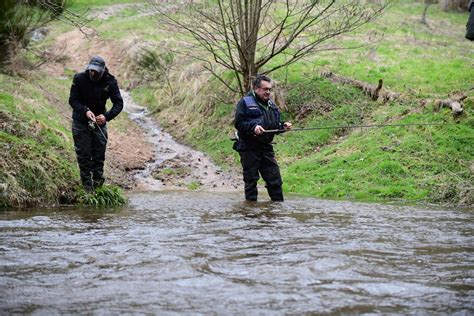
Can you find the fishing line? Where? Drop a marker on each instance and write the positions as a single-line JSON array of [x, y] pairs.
[[91, 127], [100, 129], [353, 126]]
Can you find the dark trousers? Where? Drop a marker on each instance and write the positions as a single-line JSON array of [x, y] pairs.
[[90, 146], [255, 162]]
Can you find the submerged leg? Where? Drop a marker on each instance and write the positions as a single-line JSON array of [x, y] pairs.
[[270, 172], [250, 161]]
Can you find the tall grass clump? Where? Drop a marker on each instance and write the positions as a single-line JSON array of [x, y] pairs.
[[105, 196], [155, 66]]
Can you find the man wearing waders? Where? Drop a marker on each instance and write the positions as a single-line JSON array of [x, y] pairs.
[[89, 93], [256, 113]]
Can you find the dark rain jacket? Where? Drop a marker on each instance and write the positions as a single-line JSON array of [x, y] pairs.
[[89, 95], [250, 112]]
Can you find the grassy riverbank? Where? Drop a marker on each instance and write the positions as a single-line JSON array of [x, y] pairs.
[[425, 163], [38, 164]]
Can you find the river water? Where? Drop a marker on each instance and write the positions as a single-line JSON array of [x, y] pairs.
[[178, 252]]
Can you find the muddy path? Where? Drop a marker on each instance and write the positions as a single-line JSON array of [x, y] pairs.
[[175, 166]]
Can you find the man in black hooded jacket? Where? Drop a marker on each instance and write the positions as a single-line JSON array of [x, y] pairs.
[[90, 91], [255, 114]]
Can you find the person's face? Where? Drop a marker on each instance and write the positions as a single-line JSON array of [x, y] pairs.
[[94, 75], [264, 91]]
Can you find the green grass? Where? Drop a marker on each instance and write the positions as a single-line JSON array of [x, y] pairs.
[[116, 27], [411, 58], [38, 166], [406, 163], [85, 4], [390, 163], [105, 196], [193, 185], [144, 95]]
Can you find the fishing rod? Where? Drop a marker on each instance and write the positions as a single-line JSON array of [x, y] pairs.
[[100, 129], [92, 127], [353, 126]]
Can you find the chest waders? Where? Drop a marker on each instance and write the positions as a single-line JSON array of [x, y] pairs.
[[260, 160], [90, 143]]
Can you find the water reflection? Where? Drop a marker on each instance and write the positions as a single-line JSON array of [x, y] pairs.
[[201, 253]]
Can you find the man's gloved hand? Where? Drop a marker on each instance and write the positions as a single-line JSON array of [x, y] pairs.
[[90, 116], [101, 119]]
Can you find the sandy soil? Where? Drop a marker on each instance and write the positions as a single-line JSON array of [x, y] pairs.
[[127, 151]]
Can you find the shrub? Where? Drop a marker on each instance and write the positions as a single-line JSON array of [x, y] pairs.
[[18, 19], [154, 65]]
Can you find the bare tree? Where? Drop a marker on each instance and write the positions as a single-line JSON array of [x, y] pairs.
[[458, 5], [249, 36]]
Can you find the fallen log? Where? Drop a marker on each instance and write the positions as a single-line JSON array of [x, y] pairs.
[[453, 103], [375, 92]]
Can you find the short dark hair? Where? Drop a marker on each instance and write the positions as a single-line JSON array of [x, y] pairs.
[[259, 79]]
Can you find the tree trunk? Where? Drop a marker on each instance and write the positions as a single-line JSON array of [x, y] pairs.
[[248, 30], [454, 102], [447, 5], [454, 105]]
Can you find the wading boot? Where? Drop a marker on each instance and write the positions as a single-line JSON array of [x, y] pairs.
[[88, 188], [98, 183]]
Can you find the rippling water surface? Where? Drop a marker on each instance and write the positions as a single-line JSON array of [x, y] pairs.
[[202, 253]]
